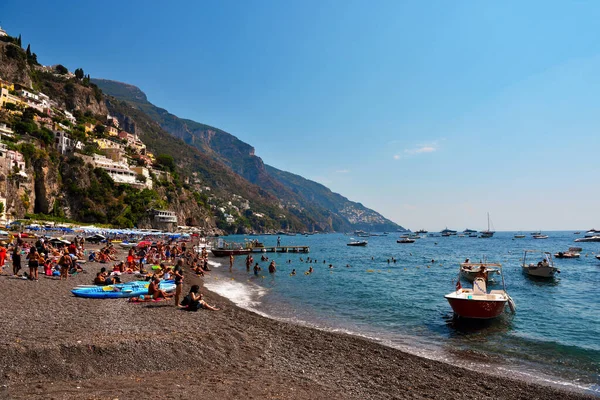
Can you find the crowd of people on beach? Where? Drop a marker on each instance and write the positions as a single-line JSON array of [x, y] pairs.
[[152, 262]]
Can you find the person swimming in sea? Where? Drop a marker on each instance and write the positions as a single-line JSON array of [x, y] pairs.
[[256, 269], [293, 272], [310, 271], [330, 265]]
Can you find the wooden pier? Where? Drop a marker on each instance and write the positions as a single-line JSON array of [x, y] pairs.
[[281, 249]]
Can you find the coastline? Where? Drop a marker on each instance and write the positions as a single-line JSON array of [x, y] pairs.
[[56, 345]]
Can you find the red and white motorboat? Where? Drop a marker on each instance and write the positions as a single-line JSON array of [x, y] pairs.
[[477, 302]]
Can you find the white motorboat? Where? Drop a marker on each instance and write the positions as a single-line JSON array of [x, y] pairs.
[[542, 269], [589, 239], [540, 236]]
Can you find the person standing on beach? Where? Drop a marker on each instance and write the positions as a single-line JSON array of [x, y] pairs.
[[3, 253], [34, 262], [178, 275], [65, 263], [16, 257]]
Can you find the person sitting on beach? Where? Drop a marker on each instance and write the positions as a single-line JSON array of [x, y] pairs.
[[100, 280], [195, 301], [154, 292]]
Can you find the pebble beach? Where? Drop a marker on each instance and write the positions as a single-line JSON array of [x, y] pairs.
[[58, 346]]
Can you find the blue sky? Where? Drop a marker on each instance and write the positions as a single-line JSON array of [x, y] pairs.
[[432, 113]]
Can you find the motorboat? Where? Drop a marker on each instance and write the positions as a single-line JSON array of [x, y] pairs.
[[470, 271], [540, 236], [469, 231], [573, 252], [598, 256], [405, 240], [592, 232], [421, 231], [357, 243], [488, 233], [519, 236], [576, 233], [448, 232], [479, 303], [542, 269], [589, 239]]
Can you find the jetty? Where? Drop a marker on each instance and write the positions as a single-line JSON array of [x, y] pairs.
[[281, 249]]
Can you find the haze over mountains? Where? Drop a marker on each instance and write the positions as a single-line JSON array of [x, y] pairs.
[[332, 210]]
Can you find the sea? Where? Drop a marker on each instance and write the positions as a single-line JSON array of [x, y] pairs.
[[394, 294]]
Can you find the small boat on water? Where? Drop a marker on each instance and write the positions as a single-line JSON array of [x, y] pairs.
[[576, 233], [598, 256], [421, 231], [469, 231], [542, 269], [573, 252], [357, 243], [488, 233], [470, 271], [540, 236], [477, 302], [405, 240], [589, 239], [519, 235], [448, 232]]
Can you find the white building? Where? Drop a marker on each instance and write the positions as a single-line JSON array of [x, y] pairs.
[[6, 131], [28, 95], [70, 117], [11, 160], [64, 143], [118, 171]]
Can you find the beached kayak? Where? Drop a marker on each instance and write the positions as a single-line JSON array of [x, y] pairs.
[[120, 290]]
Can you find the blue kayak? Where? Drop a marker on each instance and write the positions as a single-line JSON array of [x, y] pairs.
[[120, 290]]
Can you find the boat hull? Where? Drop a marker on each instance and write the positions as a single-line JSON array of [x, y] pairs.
[[540, 272], [476, 309], [230, 252]]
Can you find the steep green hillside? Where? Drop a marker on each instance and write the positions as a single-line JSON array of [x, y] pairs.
[[313, 203]]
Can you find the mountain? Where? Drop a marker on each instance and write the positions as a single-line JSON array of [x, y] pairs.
[[309, 200]]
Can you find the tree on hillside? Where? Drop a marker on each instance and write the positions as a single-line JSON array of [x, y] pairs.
[[61, 69], [99, 129], [19, 41], [79, 73], [28, 51], [167, 161]]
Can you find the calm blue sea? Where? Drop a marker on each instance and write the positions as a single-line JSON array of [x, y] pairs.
[[554, 337]]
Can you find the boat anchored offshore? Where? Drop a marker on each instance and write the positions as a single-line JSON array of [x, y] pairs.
[[405, 240], [488, 233], [477, 302], [357, 243], [543, 269], [573, 252]]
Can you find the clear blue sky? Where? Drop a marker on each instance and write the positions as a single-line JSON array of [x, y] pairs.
[[432, 113]]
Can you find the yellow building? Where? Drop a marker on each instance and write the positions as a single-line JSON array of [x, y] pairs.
[[89, 127], [112, 131], [6, 97], [7, 85]]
